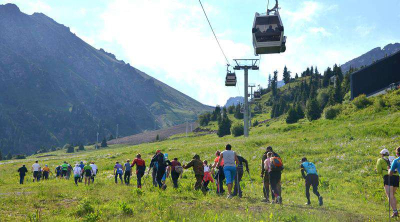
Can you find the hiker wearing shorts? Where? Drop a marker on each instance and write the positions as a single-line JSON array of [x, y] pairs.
[[309, 173], [87, 171], [198, 170], [77, 173], [230, 161], [394, 167], [118, 171], [22, 172], [36, 170], [127, 169], [219, 176], [239, 174], [140, 169], [176, 170], [95, 170]]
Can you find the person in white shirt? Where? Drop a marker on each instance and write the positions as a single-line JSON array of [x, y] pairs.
[[35, 170], [94, 169], [77, 173]]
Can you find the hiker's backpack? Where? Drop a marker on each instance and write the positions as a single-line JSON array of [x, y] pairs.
[[119, 171], [310, 168], [276, 164], [179, 169]]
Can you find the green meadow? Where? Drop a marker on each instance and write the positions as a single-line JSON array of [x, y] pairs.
[[344, 150]]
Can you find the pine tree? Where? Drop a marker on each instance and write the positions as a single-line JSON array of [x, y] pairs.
[[338, 92], [104, 143], [297, 76], [70, 149], [81, 147], [238, 114], [337, 70], [327, 77], [9, 156], [292, 116], [299, 111], [224, 127], [286, 75], [1, 155], [269, 81], [312, 110], [274, 86], [111, 137], [158, 137]]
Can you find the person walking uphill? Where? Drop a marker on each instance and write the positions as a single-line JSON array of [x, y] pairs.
[[176, 170], [46, 172], [309, 173], [140, 169], [36, 170], [382, 166], [198, 170], [219, 176], [88, 171], [239, 174], [118, 171], [394, 167], [128, 172], [230, 161], [77, 173], [162, 164], [265, 176], [22, 172], [154, 167]]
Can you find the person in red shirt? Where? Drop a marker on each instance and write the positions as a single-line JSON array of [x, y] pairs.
[[219, 176], [140, 169]]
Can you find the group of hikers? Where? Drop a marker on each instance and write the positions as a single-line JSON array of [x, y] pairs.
[[389, 167], [63, 171], [227, 166]]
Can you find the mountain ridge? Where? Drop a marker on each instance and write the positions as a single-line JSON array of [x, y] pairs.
[[55, 88]]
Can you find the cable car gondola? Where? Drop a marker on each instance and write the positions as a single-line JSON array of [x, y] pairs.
[[230, 79], [257, 95], [268, 32]]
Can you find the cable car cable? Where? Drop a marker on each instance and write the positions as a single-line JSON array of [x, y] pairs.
[[227, 61]]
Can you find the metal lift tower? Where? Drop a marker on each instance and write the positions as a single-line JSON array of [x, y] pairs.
[[246, 65]]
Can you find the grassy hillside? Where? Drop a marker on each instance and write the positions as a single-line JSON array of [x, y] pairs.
[[344, 150]]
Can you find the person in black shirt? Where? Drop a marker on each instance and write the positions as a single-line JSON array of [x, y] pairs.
[[162, 164], [239, 175], [22, 172]]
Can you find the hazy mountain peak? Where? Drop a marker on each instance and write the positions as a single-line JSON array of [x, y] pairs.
[[9, 9]]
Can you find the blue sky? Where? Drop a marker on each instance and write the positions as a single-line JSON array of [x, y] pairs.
[[171, 41]]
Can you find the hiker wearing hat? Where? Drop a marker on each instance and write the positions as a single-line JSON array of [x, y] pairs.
[[140, 169], [391, 179], [22, 172], [198, 170], [309, 173]]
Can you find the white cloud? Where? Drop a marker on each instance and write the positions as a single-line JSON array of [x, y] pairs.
[[307, 13], [172, 38], [364, 30], [320, 30]]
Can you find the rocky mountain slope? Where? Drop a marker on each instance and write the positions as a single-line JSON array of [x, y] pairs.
[[56, 88], [371, 56]]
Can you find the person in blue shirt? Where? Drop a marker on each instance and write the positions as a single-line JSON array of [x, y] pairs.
[[309, 173], [392, 197]]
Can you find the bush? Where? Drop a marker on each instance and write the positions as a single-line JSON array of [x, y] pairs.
[[126, 209], [361, 102], [69, 148], [224, 127], [84, 208], [20, 157], [331, 112], [237, 130], [81, 147], [104, 143], [255, 123], [379, 104]]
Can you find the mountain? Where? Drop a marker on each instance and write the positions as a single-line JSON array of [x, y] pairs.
[[56, 89], [371, 56], [234, 101]]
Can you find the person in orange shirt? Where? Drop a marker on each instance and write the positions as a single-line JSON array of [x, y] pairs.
[[46, 172], [219, 176]]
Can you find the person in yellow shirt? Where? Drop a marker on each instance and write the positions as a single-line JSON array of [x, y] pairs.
[[391, 183], [46, 172]]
